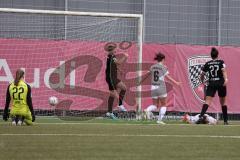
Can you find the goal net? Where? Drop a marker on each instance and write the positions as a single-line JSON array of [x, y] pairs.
[[63, 55]]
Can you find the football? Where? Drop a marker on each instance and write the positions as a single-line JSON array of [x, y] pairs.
[[53, 101]]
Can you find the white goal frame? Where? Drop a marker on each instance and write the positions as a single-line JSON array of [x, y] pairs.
[[97, 14]]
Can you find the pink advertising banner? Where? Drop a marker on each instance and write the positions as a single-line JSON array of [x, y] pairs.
[[82, 68], [184, 63], [187, 63], [73, 71]]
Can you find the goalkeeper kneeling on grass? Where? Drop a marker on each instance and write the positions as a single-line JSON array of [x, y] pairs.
[[19, 94]]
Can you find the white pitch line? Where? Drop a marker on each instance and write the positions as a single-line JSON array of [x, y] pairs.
[[121, 135], [142, 124], [129, 124]]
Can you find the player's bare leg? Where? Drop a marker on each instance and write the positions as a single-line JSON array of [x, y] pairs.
[[148, 111], [122, 92], [162, 110], [208, 100], [222, 101], [112, 96], [155, 102]]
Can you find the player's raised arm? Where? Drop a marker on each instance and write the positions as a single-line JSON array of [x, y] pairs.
[[204, 69], [202, 76], [173, 80], [225, 76], [144, 78], [121, 60]]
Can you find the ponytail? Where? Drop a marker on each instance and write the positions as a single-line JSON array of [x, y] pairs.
[[19, 75]]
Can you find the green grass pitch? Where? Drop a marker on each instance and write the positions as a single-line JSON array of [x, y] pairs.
[[53, 139]]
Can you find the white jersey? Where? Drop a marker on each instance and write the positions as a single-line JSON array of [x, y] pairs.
[[158, 88], [194, 119], [158, 72]]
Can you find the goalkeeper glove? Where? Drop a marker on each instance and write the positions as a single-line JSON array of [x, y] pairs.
[[5, 115]]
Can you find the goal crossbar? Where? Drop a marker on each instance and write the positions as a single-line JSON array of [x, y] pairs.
[[72, 13]]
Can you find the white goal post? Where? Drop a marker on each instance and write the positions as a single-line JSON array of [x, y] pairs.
[[139, 18]]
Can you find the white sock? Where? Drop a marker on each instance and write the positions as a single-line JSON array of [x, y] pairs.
[[151, 108], [162, 113]]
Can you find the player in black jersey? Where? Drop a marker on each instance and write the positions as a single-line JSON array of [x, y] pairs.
[[112, 80], [216, 70]]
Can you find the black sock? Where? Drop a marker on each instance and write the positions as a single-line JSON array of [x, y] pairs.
[[17, 119], [225, 115], [110, 103], [21, 118], [204, 109], [121, 96]]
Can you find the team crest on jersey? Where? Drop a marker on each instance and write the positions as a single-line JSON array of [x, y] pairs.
[[195, 64]]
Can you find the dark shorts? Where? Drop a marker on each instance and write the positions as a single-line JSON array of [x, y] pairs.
[[112, 85], [211, 91]]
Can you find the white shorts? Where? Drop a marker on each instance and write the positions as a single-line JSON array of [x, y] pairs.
[[158, 91]]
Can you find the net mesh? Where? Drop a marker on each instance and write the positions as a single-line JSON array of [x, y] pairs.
[[70, 50]]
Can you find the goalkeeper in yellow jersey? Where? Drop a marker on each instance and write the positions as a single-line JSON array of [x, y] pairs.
[[19, 95]]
